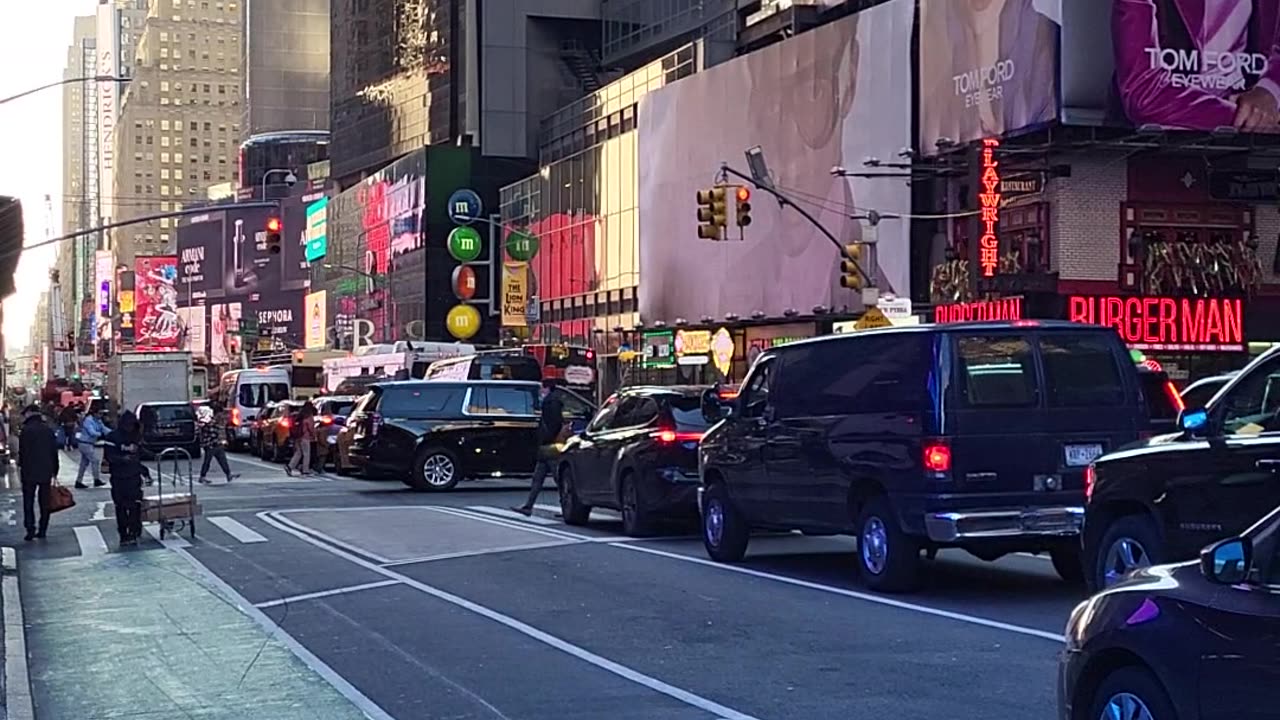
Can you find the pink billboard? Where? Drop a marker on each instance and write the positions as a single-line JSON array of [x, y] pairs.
[[156, 301]]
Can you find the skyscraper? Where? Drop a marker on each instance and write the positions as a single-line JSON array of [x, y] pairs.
[[80, 179], [179, 121], [286, 62]]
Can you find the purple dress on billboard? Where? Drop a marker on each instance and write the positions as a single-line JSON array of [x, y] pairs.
[[1195, 87]]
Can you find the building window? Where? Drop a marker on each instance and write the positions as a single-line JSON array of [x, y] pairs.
[[164, 141], [177, 157], [164, 124], [164, 157], [177, 174], [164, 175]]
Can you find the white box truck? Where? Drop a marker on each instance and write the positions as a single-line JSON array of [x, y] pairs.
[[138, 377]]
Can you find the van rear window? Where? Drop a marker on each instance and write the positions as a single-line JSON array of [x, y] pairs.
[[1080, 370], [995, 370]]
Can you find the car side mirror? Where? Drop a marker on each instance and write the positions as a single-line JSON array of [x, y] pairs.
[[1227, 562], [714, 408], [1194, 421]]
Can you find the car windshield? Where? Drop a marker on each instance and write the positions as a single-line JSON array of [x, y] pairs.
[[1200, 393]]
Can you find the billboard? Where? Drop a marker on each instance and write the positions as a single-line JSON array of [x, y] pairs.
[[987, 67], [832, 96], [1181, 64], [224, 265], [316, 238], [155, 300], [317, 319], [103, 274]]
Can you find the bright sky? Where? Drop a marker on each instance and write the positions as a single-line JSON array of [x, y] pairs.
[[34, 37]]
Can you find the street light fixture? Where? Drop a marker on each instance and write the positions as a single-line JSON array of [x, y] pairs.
[[65, 81], [289, 178]]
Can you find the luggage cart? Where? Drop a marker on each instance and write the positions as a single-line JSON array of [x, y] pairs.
[[177, 510]]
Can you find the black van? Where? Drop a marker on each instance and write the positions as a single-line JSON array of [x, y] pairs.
[[968, 435]]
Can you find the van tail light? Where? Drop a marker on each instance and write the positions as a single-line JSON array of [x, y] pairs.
[[326, 420], [668, 437], [937, 456], [235, 417], [1174, 396], [1090, 477], [285, 423]]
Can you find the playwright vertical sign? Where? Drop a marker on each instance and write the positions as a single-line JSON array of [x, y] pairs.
[[317, 219], [315, 315]]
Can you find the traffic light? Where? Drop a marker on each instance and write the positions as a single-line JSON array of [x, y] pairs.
[[743, 197], [713, 213], [851, 267], [274, 226]]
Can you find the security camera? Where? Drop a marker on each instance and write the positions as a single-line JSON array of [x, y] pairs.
[[290, 179]]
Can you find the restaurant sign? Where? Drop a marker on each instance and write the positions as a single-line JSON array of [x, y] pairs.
[[1163, 323], [1009, 308]]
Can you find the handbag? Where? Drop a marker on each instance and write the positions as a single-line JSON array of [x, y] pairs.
[[60, 498]]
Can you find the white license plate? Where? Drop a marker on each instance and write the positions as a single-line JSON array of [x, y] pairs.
[[1081, 455], [332, 441]]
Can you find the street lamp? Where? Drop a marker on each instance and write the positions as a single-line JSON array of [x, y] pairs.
[[65, 81], [289, 179]]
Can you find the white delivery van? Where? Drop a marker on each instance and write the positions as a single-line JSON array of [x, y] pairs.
[[248, 392]]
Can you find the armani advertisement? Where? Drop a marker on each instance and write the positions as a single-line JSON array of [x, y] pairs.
[[225, 265]]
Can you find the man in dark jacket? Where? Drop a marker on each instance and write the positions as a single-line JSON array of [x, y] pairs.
[[38, 463], [127, 472], [550, 427]]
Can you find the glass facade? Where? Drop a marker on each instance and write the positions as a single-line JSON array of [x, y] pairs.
[[280, 151], [635, 27], [582, 205], [391, 84]]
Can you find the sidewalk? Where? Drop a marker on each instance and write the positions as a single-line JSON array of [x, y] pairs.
[[145, 634]]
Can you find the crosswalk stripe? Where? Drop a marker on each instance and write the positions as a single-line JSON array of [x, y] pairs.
[[90, 539], [237, 529], [503, 512], [173, 540], [598, 513]]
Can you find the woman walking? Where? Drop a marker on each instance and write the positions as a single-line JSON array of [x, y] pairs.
[[210, 427], [127, 473], [306, 435]]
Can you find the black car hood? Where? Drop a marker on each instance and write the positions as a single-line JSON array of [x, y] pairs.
[[1181, 581], [1157, 445]]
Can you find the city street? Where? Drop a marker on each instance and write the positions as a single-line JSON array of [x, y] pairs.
[[404, 605]]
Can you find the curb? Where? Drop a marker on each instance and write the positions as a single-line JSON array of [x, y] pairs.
[[17, 682]]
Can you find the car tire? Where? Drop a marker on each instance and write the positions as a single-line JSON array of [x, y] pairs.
[[1129, 542], [888, 558], [635, 523], [1129, 688], [435, 470], [725, 531], [572, 510], [1068, 563]]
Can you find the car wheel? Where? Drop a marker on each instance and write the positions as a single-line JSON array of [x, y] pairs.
[[634, 521], [725, 532], [1132, 693], [435, 470], [1130, 543], [1068, 563], [572, 509], [888, 558]]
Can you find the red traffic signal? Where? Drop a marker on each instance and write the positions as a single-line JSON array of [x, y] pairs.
[[744, 194], [273, 235], [273, 225]]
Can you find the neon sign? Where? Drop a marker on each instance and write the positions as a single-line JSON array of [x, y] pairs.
[[1160, 323], [983, 310], [989, 201]]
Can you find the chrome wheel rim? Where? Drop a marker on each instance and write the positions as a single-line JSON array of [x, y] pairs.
[[437, 470], [874, 545], [714, 522], [1124, 556], [1125, 706]]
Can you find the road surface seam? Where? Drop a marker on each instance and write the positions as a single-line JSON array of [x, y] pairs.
[[18, 702], [480, 553], [603, 663], [326, 593], [339, 683]]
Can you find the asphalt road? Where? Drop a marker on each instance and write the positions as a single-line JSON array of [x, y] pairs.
[[448, 606]]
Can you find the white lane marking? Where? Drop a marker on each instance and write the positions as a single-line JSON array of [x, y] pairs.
[[877, 599], [101, 512], [237, 529], [534, 633], [503, 512], [346, 545], [318, 666], [172, 540], [278, 469], [604, 513], [90, 539], [18, 701], [478, 553], [326, 593], [512, 524]]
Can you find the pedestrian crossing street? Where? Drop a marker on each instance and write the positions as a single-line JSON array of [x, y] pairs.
[[92, 541]]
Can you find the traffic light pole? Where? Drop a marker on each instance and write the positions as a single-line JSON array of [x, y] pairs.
[[786, 202]]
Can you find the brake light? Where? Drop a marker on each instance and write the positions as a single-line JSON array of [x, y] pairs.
[[1090, 477], [285, 422], [1175, 396], [235, 417], [728, 394], [326, 420], [666, 437], [937, 457]]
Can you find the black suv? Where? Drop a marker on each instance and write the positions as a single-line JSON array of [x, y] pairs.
[[1162, 500], [433, 433], [969, 435], [166, 425]]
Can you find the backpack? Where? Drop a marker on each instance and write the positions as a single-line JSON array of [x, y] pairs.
[[295, 426]]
